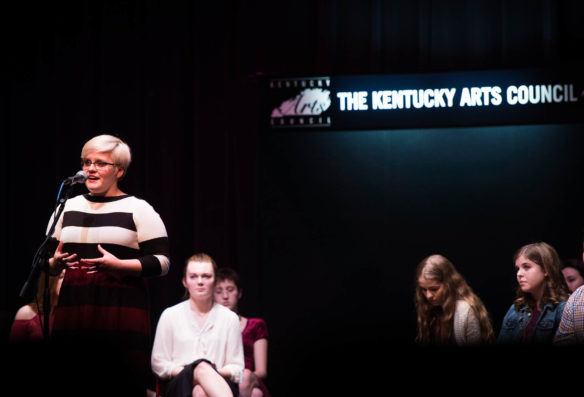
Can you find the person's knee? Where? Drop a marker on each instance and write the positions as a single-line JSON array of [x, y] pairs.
[[199, 392], [257, 392], [203, 370]]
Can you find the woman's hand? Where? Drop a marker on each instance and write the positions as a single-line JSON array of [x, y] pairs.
[[224, 372], [62, 260], [110, 262], [107, 262], [248, 382], [176, 371]]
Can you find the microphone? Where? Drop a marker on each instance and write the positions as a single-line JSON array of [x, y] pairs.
[[79, 177]]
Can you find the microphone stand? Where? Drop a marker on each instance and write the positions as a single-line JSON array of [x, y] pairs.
[[41, 262]]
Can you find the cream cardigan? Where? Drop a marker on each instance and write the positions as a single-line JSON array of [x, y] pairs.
[[466, 327]]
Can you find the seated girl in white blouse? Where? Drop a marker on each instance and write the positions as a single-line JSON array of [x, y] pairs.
[[198, 346]]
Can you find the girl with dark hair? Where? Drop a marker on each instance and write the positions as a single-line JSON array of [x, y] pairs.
[[573, 272], [228, 292]]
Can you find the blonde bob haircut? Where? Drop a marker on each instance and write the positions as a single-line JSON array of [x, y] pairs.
[[119, 150]]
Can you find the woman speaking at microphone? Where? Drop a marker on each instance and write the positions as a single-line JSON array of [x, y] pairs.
[[110, 243]]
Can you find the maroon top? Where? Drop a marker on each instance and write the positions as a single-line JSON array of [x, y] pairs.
[[255, 329], [529, 327], [29, 330]]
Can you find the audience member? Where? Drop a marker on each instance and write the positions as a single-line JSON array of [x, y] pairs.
[[197, 346], [573, 271], [228, 292], [28, 325], [535, 315], [449, 312], [571, 329]]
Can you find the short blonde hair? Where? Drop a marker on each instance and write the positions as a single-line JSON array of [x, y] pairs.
[[119, 150]]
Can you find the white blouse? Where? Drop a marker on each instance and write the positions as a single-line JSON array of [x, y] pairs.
[[179, 340]]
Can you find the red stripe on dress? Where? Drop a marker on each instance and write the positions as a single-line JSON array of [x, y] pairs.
[[79, 276], [102, 318]]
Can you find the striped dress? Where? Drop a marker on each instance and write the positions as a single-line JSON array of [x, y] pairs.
[[106, 306]]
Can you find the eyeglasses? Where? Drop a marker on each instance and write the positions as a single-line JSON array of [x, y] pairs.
[[100, 165]]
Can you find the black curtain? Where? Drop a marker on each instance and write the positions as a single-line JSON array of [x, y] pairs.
[[160, 78], [179, 82]]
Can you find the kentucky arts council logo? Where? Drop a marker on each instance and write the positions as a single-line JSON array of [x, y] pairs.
[[300, 103]]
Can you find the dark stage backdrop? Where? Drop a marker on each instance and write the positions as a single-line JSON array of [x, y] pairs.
[[325, 237], [347, 215]]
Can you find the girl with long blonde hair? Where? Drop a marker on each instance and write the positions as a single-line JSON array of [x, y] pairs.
[[449, 312]]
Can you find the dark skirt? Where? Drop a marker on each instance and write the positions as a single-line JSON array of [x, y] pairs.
[[104, 317], [182, 384]]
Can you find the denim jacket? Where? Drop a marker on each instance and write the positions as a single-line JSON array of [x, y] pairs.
[[516, 321]]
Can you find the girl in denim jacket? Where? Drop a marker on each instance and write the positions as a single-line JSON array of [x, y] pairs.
[[535, 315]]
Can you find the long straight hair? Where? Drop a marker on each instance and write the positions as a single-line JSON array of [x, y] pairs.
[[439, 269], [555, 287]]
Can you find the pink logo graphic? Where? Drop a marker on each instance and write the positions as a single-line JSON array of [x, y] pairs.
[[310, 102]]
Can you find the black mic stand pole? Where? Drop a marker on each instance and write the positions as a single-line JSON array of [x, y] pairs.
[[41, 263]]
